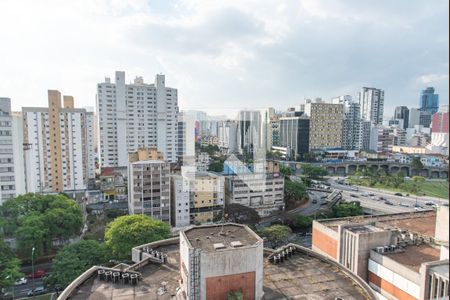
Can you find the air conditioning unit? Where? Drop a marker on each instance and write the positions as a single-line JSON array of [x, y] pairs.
[[380, 249]]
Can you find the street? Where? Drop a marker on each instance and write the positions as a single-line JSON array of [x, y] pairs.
[[399, 203]]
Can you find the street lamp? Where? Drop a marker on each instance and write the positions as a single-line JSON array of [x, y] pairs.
[[32, 268]]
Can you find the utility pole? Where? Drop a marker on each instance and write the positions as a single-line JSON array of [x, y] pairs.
[[32, 268]]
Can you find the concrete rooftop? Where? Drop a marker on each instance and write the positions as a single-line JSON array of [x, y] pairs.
[[299, 277], [208, 238], [414, 256], [422, 222]]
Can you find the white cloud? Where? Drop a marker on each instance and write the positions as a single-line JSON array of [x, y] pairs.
[[224, 53]]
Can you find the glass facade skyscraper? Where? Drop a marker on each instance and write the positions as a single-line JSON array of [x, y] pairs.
[[429, 101]]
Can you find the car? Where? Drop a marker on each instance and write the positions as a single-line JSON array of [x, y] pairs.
[[40, 290], [398, 194], [371, 194], [324, 197], [314, 201], [445, 204], [404, 204], [430, 203], [387, 202], [365, 195], [381, 198], [21, 281], [37, 274], [354, 196]]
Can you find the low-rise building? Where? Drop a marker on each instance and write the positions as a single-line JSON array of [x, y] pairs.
[[113, 182], [394, 253], [197, 198], [261, 190]]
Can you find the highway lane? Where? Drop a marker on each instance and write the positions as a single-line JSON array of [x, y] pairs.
[[401, 203]]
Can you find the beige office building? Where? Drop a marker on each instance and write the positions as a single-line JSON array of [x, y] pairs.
[[325, 125]]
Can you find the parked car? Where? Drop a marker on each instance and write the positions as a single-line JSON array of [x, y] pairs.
[[398, 194], [404, 204], [430, 203], [314, 201], [371, 194], [40, 290], [21, 281], [37, 274], [354, 196], [382, 198], [387, 202]]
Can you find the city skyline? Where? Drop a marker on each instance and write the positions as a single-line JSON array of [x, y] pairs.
[[239, 49]]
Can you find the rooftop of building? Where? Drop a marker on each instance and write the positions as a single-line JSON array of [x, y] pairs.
[[421, 222], [221, 237], [302, 275], [414, 256], [155, 161]]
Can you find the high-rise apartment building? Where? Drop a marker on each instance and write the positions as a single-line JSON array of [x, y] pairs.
[[351, 126], [294, 136], [371, 101], [59, 143], [137, 115], [228, 136], [325, 124], [425, 118], [149, 188], [249, 131], [402, 113], [439, 122], [429, 101], [11, 152], [414, 117]]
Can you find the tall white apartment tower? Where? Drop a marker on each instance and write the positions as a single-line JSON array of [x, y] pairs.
[[11, 152], [58, 145], [371, 101], [136, 115]]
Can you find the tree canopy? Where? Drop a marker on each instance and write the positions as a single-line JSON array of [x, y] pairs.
[[312, 171], [416, 164], [126, 232], [9, 266], [277, 235], [36, 220], [286, 171], [347, 209], [241, 214], [74, 259]]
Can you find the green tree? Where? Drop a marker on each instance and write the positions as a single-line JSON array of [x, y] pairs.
[[301, 221], [126, 232], [416, 164], [74, 259], [294, 190], [277, 235], [397, 180], [312, 171], [417, 183], [216, 166], [9, 266], [347, 209], [238, 213], [36, 220], [286, 171]]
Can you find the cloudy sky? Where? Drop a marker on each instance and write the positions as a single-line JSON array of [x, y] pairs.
[[224, 55]]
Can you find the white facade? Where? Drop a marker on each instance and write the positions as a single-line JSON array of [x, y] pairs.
[[137, 115], [227, 133], [149, 189], [265, 194], [11, 153], [180, 202], [75, 149], [414, 117], [371, 101]]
